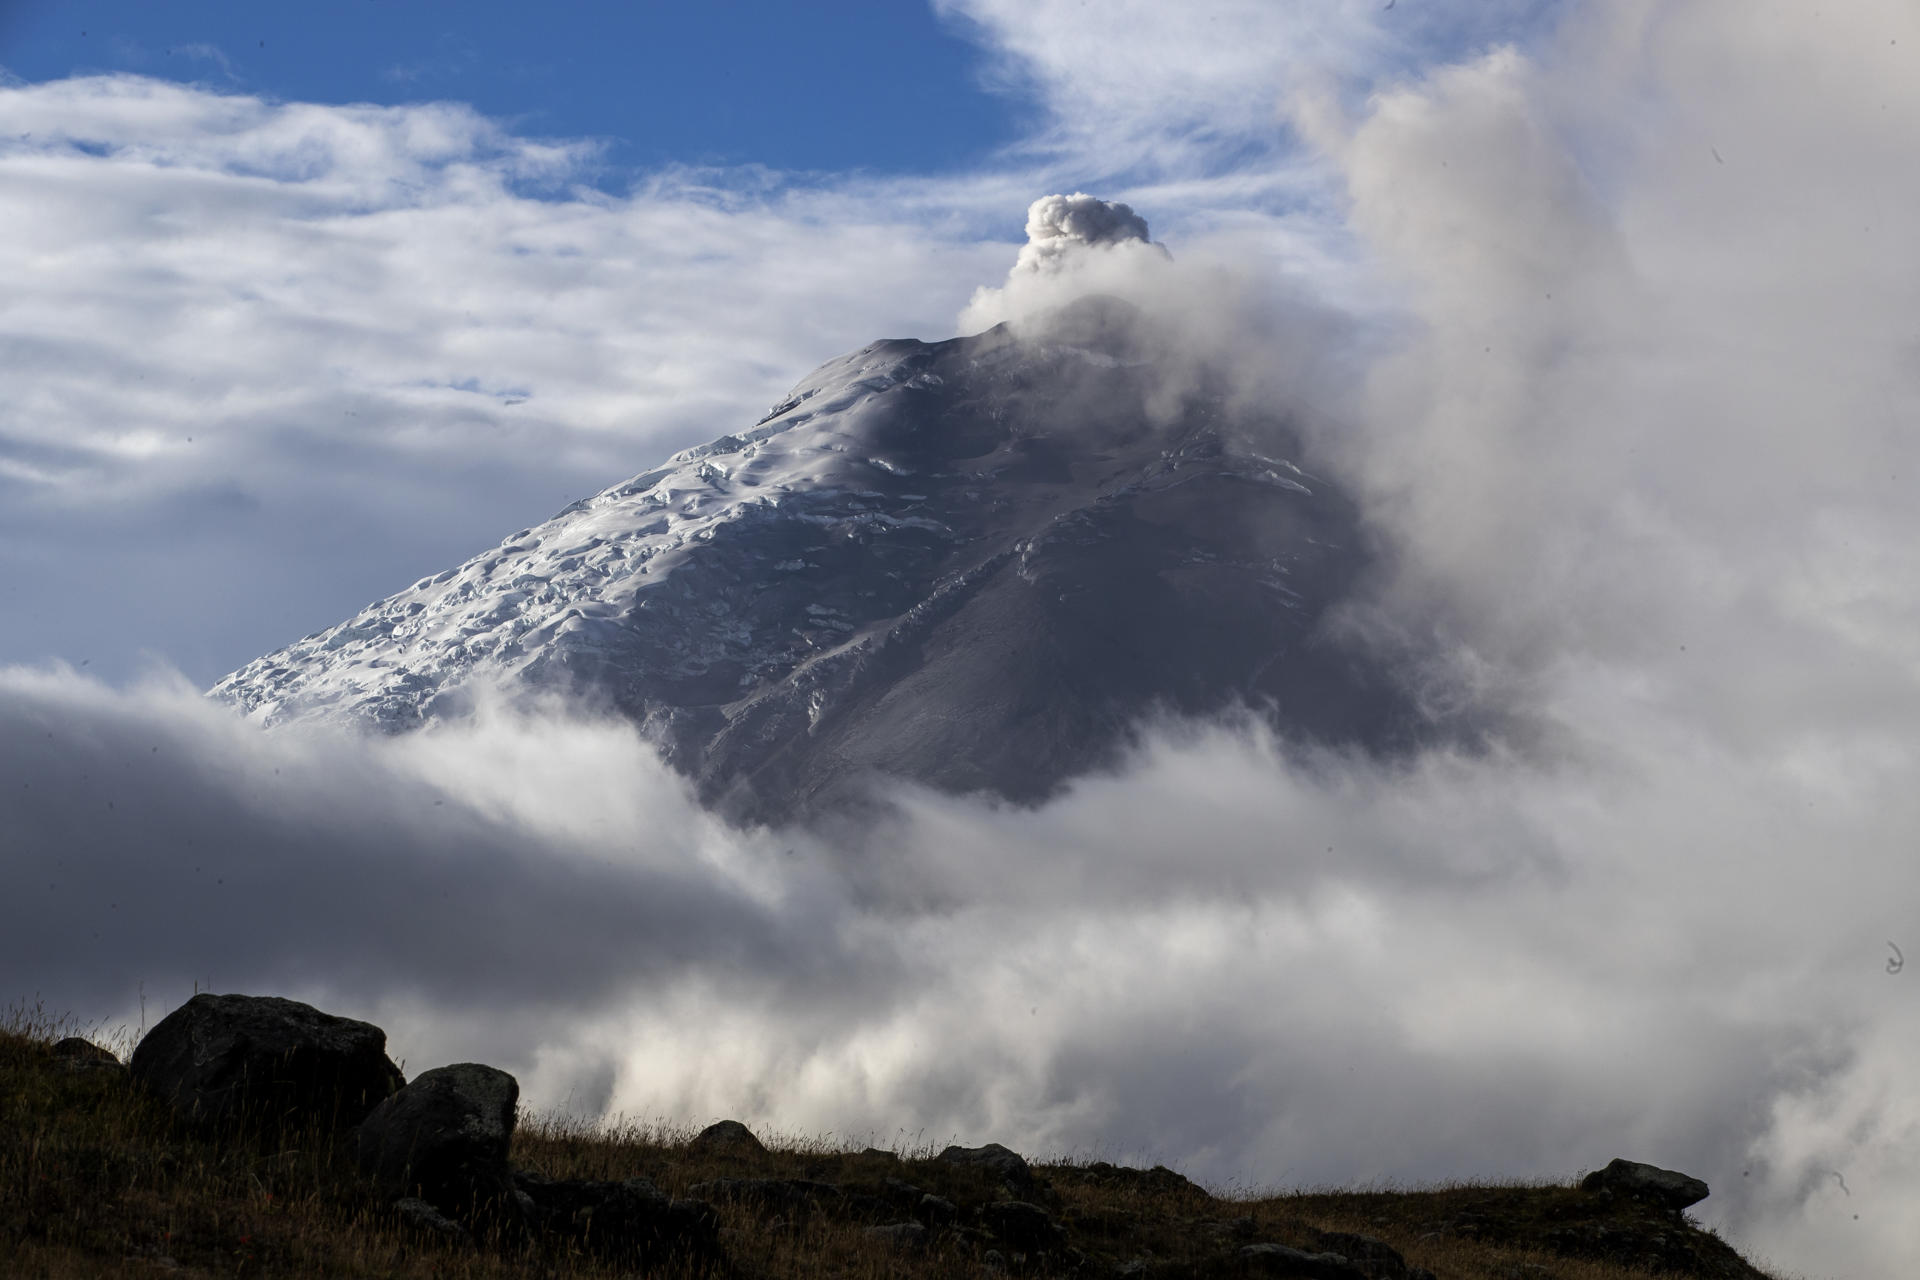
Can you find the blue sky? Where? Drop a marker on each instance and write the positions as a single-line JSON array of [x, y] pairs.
[[304, 311], [873, 84]]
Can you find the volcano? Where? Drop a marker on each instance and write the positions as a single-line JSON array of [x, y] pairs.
[[979, 565]]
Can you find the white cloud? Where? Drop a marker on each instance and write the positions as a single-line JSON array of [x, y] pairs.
[[1137, 82], [1152, 92], [339, 347]]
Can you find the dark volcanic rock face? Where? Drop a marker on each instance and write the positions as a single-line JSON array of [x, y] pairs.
[[975, 564]]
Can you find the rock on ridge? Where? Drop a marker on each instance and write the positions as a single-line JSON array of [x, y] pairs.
[[728, 1139], [1647, 1182], [265, 1061]]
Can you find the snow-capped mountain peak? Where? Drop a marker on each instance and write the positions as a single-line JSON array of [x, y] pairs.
[[971, 563]]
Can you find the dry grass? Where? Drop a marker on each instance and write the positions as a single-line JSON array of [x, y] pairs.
[[98, 1180]]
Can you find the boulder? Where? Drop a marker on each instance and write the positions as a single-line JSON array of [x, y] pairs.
[[1008, 1166], [443, 1138], [728, 1139], [1158, 1180], [84, 1056], [266, 1061], [1663, 1187], [630, 1223]]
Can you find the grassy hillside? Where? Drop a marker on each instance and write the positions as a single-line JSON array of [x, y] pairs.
[[98, 1180]]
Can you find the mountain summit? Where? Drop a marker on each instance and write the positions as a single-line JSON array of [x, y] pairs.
[[976, 564]]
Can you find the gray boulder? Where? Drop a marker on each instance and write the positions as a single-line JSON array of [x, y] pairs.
[[444, 1138], [265, 1061], [1008, 1166], [1648, 1182]]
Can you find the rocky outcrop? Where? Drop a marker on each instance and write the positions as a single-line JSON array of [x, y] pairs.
[[443, 1138], [1627, 1215], [434, 1150], [1647, 1182], [1008, 1166], [265, 1061]]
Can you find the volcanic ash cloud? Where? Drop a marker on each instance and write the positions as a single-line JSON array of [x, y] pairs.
[[1059, 227], [1076, 245]]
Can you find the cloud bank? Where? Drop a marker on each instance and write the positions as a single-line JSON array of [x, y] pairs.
[[1268, 973]]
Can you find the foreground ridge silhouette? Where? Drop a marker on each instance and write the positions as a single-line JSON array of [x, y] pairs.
[[113, 1169]]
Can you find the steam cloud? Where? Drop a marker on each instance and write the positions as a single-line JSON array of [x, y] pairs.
[[1076, 245], [1061, 226]]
